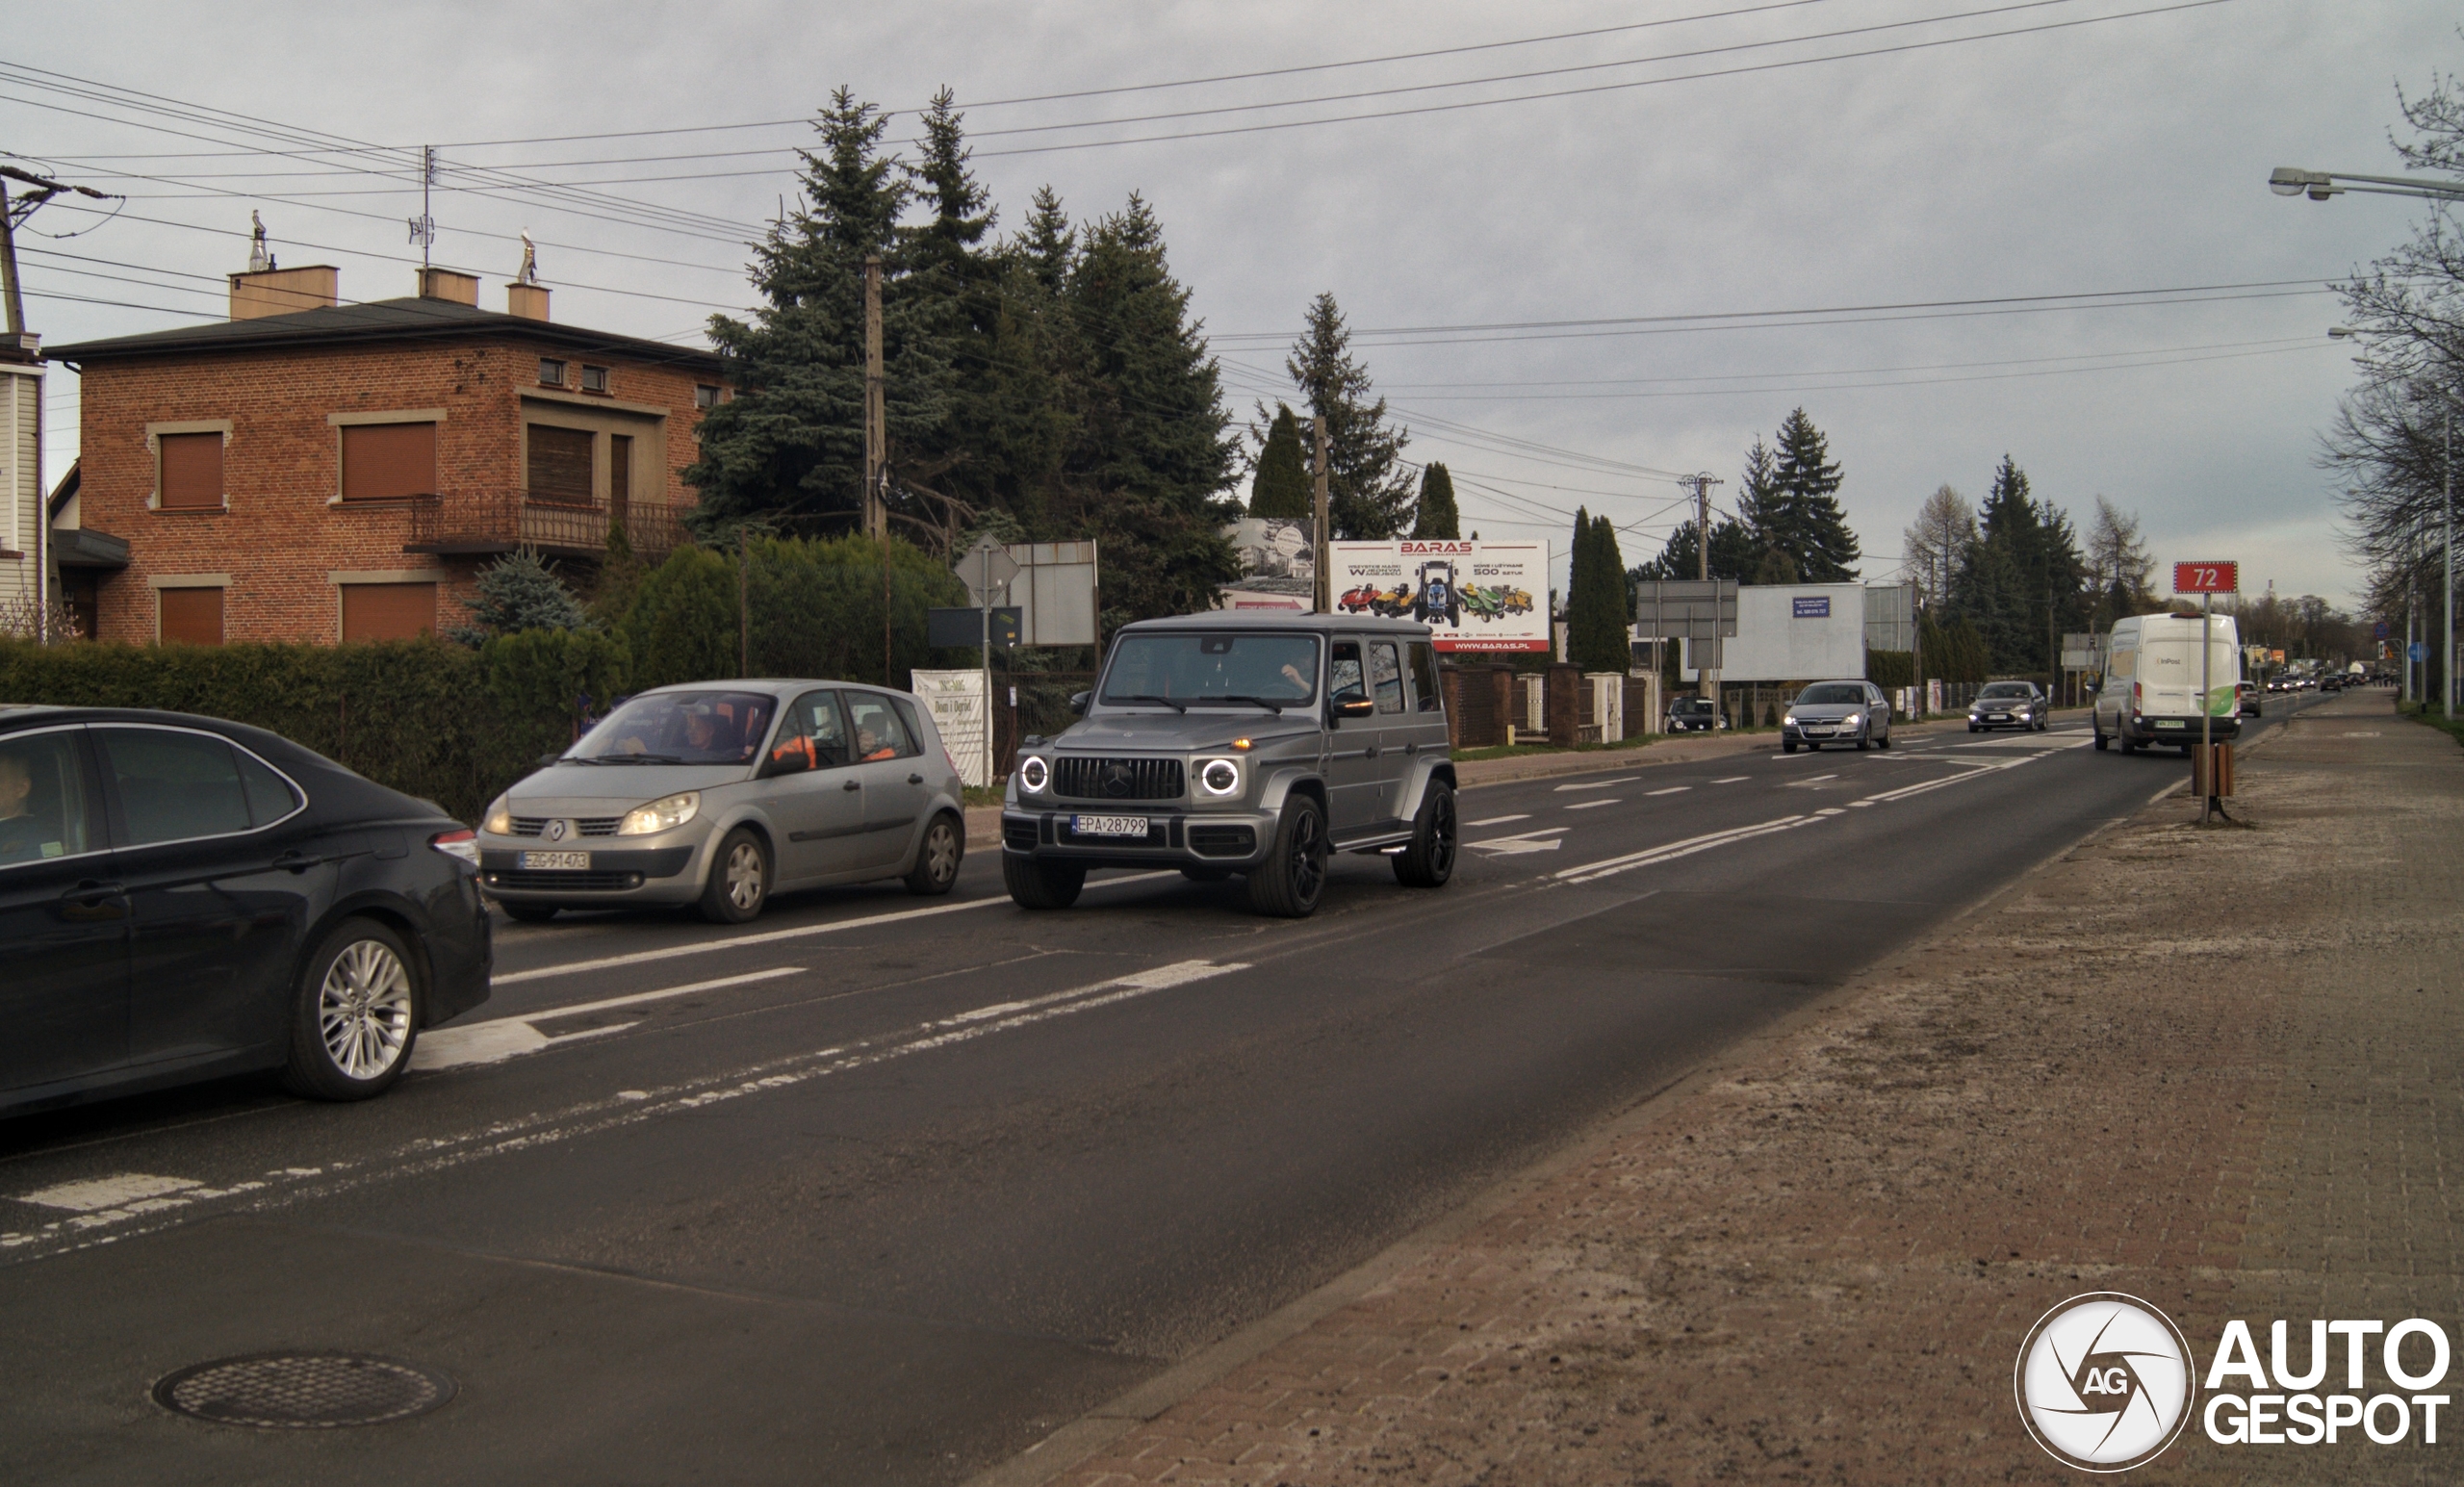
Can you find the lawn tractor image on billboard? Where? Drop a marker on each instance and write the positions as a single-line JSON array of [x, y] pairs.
[[1475, 596]]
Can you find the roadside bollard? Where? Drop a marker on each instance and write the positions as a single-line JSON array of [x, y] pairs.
[[2212, 777]]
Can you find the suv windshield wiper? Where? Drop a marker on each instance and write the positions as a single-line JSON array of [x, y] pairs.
[[1267, 703], [1177, 706]]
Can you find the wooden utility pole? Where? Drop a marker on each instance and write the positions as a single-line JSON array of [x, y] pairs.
[[1324, 531], [876, 415], [743, 601], [9, 269], [1709, 685]]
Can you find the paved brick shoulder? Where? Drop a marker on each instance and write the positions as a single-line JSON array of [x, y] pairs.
[[2216, 1069]]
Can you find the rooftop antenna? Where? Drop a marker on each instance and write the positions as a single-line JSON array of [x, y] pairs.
[[259, 259], [423, 226]]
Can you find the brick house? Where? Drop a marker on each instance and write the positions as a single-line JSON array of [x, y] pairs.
[[312, 470]]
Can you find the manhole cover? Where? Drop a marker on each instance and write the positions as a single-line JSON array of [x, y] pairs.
[[303, 1391]]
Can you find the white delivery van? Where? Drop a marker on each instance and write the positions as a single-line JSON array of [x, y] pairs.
[[2151, 694]]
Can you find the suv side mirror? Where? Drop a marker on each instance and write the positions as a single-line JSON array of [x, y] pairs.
[[1353, 707], [1078, 703]]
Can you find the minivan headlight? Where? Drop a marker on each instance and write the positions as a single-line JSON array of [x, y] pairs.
[[666, 814], [1219, 777], [499, 821], [1034, 775]]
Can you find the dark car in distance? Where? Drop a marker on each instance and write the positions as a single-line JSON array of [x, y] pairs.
[[183, 898]]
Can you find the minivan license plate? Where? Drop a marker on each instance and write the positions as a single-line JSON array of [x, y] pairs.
[[555, 861], [1108, 825]]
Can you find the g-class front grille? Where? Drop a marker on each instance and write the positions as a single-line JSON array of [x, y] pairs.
[[1119, 779]]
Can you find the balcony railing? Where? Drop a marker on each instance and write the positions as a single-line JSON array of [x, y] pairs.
[[470, 523]]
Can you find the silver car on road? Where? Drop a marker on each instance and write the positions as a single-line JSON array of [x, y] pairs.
[[717, 793], [1837, 712]]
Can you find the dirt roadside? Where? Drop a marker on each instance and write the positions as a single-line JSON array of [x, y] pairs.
[[2216, 1069]]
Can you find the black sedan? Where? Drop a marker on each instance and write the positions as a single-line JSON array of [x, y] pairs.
[[183, 898]]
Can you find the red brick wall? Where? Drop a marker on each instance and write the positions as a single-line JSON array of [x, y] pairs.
[[281, 536]]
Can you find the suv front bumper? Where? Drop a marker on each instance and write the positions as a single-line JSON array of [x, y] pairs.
[[1176, 837]]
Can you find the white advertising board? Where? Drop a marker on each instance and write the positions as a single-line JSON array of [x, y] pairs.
[[956, 701], [1792, 632], [1476, 596]]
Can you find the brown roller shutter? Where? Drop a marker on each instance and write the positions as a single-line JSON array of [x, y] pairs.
[[388, 461], [560, 465], [192, 470], [388, 611], [191, 616]]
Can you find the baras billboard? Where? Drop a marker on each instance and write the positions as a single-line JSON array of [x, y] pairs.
[[1476, 596]]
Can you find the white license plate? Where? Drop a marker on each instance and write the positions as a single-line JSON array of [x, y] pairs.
[[555, 861], [2171, 723], [1108, 825]]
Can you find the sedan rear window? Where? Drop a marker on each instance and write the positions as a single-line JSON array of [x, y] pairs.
[[681, 727], [175, 786]]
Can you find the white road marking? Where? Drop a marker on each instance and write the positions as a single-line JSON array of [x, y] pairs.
[[630, 1107], [1816, 779], [1589, 805], [500, 1039], [1675, 789], [1831, 810], [772, 936], [1542, 840], [1599, 784], [1498, 820], [96, 1193], [1734, 779], [1678, 849], [1860, 803]]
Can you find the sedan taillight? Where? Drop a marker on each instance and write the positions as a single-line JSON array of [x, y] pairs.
[[461, 842]]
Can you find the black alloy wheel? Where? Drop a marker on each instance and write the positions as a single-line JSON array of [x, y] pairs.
[[1041, 885], [1288, 884], [1429, 861], [937, 859]]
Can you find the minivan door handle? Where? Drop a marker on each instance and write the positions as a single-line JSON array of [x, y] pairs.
[[915, 780], [853, 784]]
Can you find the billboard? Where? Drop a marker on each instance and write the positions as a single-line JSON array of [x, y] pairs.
[[1793, 632], [1476, 596], [1279, 566]]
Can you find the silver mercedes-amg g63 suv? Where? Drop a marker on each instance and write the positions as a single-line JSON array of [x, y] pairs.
[[1252, 744]]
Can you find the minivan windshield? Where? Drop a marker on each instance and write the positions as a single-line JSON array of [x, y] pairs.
[[680, 728], [1199, 668], [1822, 693]]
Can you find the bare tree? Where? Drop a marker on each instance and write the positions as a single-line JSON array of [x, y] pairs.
[[2117, 556], [1945, 526]]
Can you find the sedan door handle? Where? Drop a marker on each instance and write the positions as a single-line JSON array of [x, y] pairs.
[[90, 892], [296, 860]]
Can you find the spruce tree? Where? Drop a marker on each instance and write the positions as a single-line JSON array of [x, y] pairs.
[[520, 592], [1763, 506], [1281, 487], [1369, 494], [1435, 516], [1818, 535], [1734, 556], [790, 446]]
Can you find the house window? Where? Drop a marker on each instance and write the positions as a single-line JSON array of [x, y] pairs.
[[192, 472], [560, 465], [190, 616], [388, 611], [706, 396], [388, 461], [551, 374], [594, 379]]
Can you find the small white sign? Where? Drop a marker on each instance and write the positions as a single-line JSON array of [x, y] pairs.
[[956, 701]]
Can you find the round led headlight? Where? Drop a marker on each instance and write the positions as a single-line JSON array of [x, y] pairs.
[[1034, 775], [1218, 777], [665, 814]]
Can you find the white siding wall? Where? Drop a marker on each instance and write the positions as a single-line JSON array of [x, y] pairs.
[[20, 478]]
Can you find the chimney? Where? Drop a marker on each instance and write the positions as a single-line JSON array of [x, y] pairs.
[[463, 289], [528, 300], [284, 291]]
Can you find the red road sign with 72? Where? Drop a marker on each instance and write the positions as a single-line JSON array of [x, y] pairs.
[[2207, 578]]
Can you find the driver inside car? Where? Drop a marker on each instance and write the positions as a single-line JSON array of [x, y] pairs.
[[29, 830]]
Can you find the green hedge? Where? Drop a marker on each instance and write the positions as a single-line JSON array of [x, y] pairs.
[[438, 720]]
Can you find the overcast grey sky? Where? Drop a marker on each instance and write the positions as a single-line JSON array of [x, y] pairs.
[[2124, 154]]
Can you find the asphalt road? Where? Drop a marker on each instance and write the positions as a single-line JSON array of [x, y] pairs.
[[879, 1188]]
